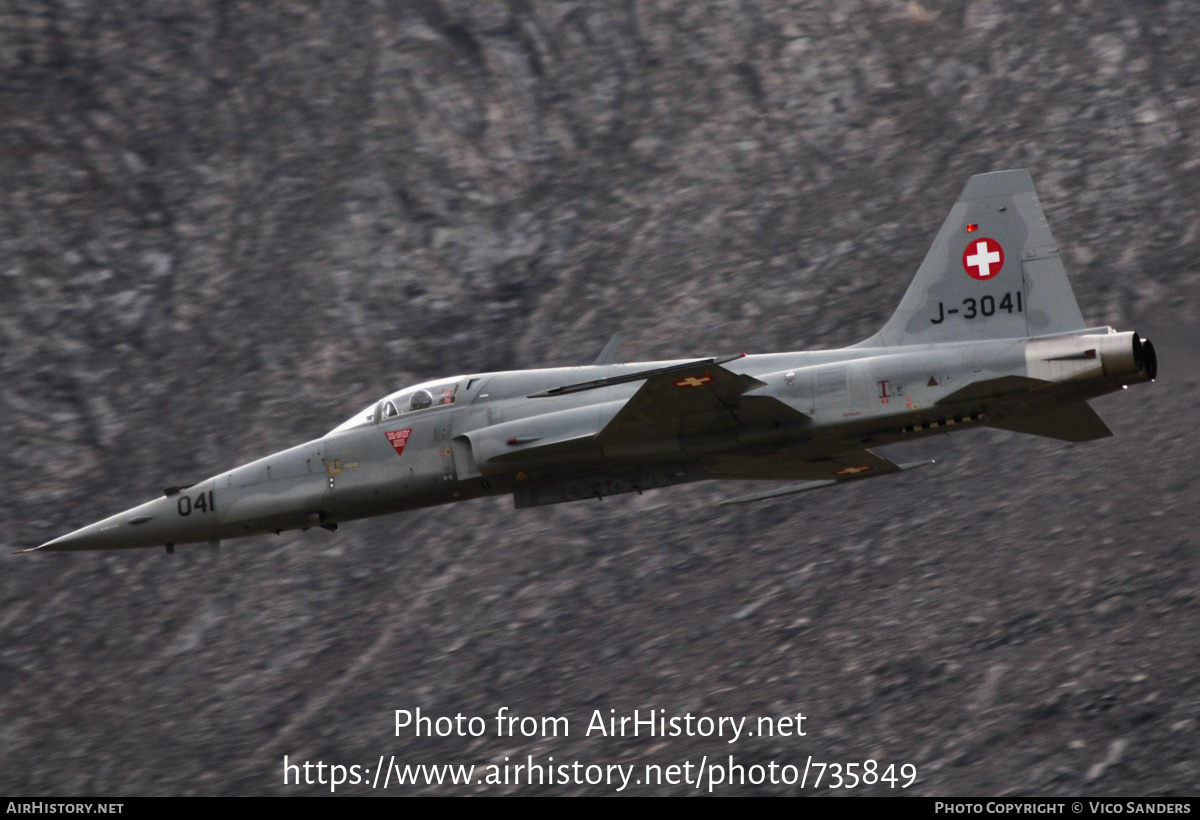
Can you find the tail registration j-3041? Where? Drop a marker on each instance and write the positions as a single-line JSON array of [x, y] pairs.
[[988, 334]]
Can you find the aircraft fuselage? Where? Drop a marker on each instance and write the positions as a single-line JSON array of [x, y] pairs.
[[988, 333], [494, 439]]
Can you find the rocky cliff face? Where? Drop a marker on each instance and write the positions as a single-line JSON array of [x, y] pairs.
[[225, 226]]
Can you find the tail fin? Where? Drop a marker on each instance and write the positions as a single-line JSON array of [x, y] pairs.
[[993, 272]]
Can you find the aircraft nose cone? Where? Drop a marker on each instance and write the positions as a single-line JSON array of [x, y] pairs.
[[141, 526], [92, 537]]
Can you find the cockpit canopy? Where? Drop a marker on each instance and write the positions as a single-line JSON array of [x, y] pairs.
[[425, 396]]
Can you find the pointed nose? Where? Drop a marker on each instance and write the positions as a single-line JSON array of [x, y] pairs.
[[96, 536], [147, 525]]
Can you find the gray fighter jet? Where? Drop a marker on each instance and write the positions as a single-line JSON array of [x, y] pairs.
[[988, 334]]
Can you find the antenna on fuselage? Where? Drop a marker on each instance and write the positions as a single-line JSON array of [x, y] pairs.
[[609, 354]]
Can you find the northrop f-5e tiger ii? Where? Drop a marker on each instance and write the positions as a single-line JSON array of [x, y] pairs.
[[988, 334]]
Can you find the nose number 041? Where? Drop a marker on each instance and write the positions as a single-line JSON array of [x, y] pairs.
[[203, 503]]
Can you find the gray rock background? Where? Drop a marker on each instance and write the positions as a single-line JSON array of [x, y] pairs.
[[226, 226]]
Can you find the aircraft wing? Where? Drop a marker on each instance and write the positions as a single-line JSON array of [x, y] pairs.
[[854, 466], [677, 370], [701, 398], [691, 398], [850, 465]]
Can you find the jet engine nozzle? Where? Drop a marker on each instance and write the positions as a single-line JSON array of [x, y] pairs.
[[1124, 358], [1149, 358], [1127, 357]]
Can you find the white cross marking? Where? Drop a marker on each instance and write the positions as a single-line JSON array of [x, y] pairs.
[[983, 260]]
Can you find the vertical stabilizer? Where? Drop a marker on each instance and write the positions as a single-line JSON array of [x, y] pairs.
[[993, 272]]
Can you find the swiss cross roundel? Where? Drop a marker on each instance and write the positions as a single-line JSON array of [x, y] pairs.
[[983, 258]]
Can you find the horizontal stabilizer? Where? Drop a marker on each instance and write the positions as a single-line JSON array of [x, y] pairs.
[[805, 486], [992, 388], [1072, 422]]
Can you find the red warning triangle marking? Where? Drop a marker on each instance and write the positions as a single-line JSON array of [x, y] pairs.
[[399, 438], [932, 382]]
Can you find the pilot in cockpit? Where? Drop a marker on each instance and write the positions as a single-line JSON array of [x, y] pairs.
[[420, 400]]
